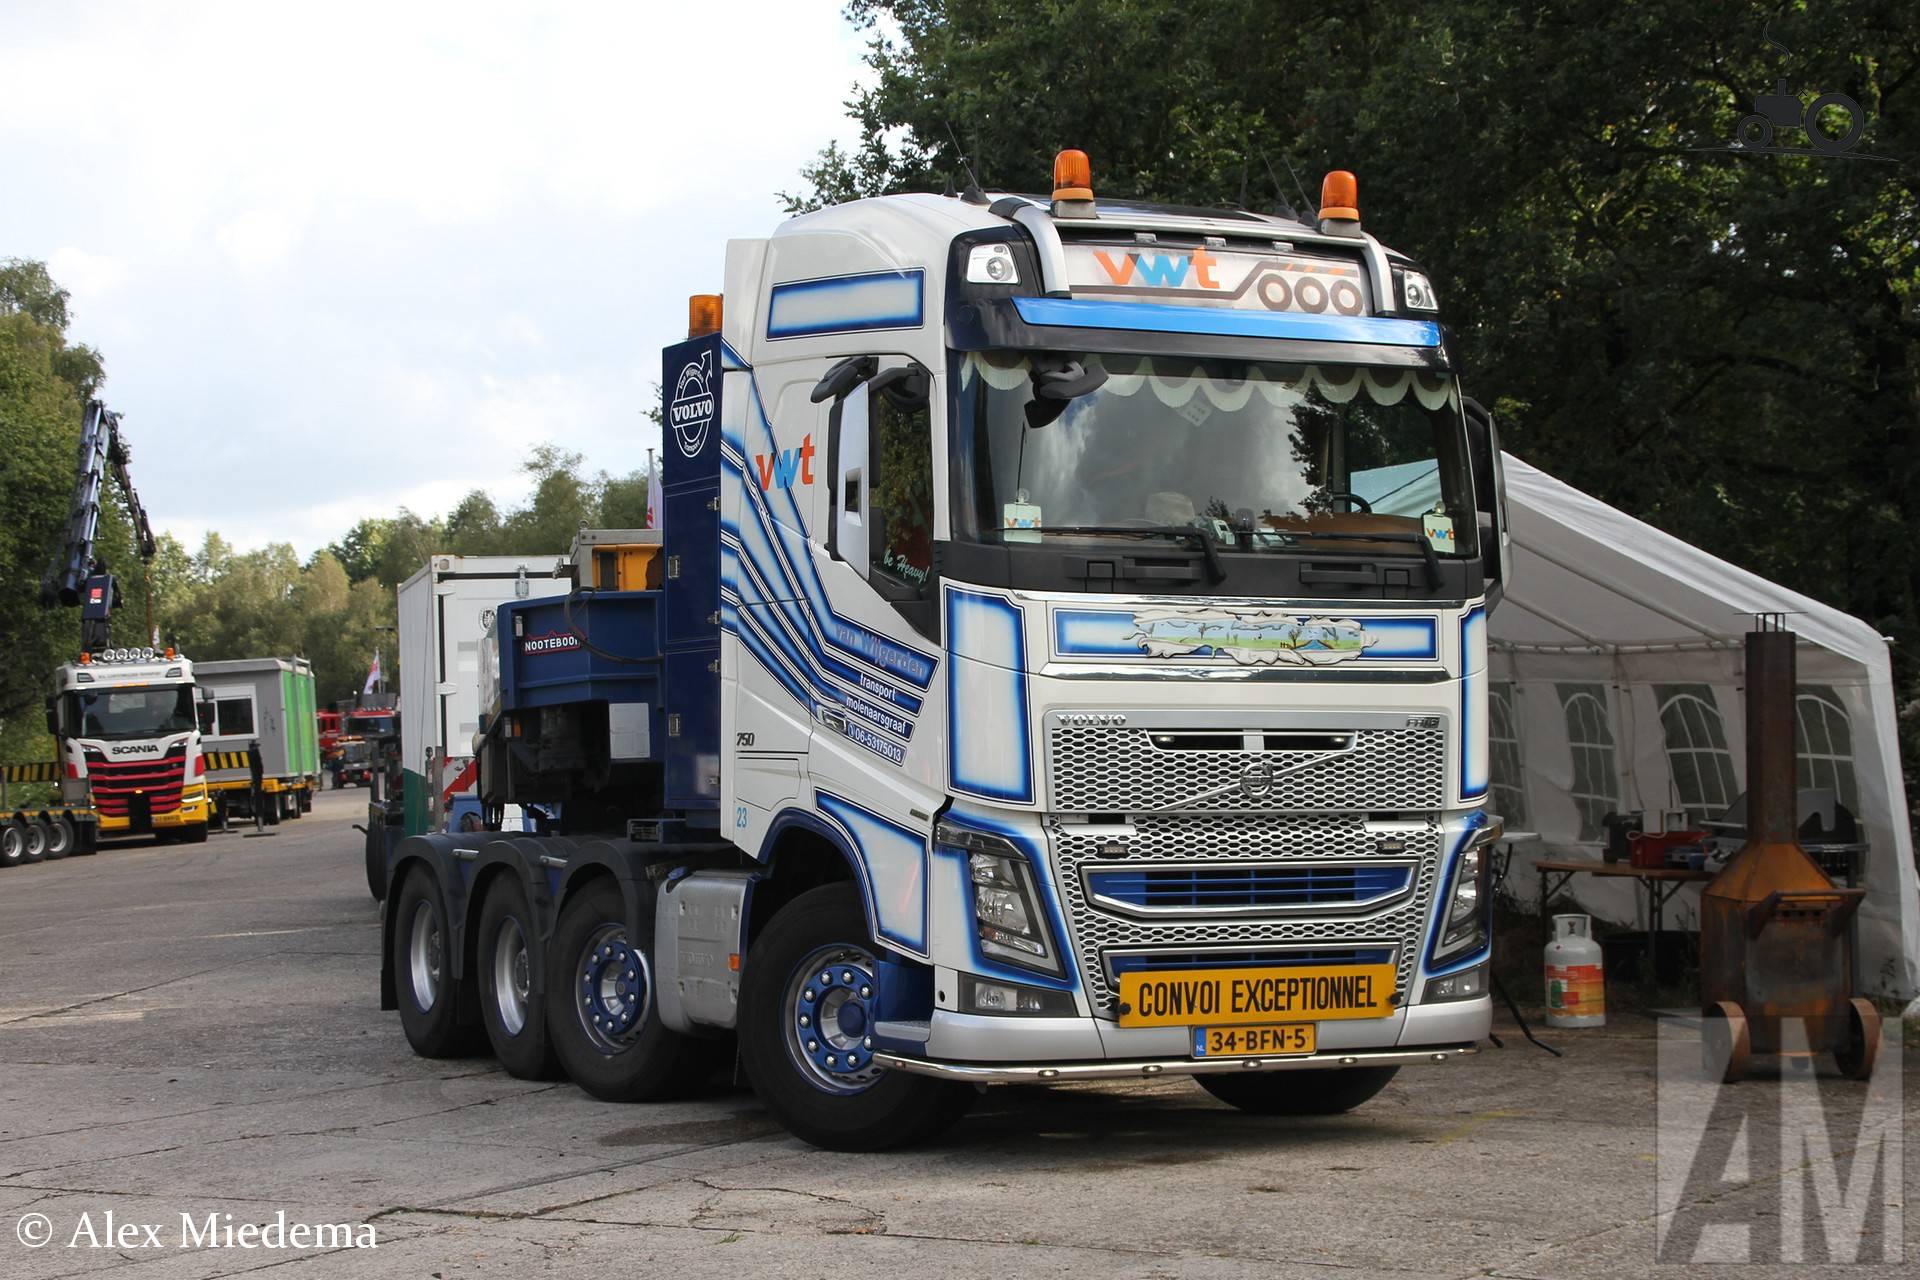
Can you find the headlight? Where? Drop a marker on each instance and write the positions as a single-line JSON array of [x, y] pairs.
[[1006, 912], [1463, 929], [1416, 292]]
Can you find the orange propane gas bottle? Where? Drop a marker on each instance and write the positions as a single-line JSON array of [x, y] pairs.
[[1576, 980]]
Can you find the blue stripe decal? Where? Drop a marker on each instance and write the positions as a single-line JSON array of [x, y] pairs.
[[987, 724], [1443, 903], [847, 304], [1473, 689], [955, 863], [893, 861], [1083, 313]]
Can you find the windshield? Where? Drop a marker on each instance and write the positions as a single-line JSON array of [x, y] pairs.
[[141, 711], [1260, 456], [355, 752]]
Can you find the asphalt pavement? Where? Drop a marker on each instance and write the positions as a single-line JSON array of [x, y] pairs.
[[194, 1031]]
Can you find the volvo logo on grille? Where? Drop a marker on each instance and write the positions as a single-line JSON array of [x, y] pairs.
[[1093, 719], [1256, 780]]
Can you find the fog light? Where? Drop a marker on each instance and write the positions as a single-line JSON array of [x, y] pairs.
[[1468, 984], [980, 996]]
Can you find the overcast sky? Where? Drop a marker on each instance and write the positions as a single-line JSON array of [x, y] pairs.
[[346, 258]]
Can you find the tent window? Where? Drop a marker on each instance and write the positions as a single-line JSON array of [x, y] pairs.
[[1823, 750], [1503, 742], [1596, 776], [1697, 751]]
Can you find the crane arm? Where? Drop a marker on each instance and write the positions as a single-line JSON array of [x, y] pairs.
[[71, 580]]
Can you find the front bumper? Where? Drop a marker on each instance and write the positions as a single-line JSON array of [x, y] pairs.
[[989, 1047], [193, 811], [1064, 1072]]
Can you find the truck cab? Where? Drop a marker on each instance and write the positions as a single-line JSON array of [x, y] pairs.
[[1069, 663], [129, 743]]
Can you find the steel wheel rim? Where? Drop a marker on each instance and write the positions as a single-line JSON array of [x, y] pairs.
[[425, 956], [828, 1015], [512, 976], [613, 990], [36, 840], [13, 843]]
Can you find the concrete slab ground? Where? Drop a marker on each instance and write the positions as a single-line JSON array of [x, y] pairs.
[[195, 1030]]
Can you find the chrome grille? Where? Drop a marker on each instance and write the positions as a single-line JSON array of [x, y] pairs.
[[1104, 769], [1099, 933]]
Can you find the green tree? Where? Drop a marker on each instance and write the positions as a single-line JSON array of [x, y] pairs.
[[44, 383]]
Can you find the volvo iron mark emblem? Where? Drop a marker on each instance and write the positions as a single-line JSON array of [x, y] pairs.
[[1256, 780]]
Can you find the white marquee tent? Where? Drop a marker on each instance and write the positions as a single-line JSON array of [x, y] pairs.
[[1616, 673]]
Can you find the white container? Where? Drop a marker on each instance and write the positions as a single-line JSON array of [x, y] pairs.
[[1576, 978]]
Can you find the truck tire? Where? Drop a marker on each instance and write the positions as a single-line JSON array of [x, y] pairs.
[[606, 1028], [429, 994], [13, 843], [1298, 1093], [35, 837], [512, 985], [195, 834], [813, 967], [57, 835]]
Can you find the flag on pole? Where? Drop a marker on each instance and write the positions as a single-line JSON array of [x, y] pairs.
[[373, 674], [653, 490]]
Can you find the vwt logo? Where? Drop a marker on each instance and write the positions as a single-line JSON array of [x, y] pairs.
[[690, 412], [780, 470]]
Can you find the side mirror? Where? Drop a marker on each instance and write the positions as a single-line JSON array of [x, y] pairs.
[[844, 377], [906, 385], [1489, 490], [53, 716]]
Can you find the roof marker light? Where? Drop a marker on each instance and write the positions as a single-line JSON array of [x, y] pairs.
[[1072, 176], [1340, 196], [1072, 185], [703, 314]]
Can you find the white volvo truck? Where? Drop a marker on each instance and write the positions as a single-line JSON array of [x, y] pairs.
[[1070, 663]]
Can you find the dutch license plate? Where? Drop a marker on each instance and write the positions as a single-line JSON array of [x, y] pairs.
[[1230, 997], [1253, 1042]]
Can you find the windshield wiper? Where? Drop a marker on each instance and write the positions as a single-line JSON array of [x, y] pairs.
[[1380, 535], [1216, 570]]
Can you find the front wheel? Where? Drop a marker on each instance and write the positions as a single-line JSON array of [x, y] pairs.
[[806, 1018], [1327, 1092], [195, 834], [602, 1016]]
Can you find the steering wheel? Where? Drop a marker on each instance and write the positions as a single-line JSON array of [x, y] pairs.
[[1354, 498]]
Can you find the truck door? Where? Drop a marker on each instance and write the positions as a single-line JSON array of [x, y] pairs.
[[876, 743]]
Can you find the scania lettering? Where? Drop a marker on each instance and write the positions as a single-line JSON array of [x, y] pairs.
[[1063, 657]]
